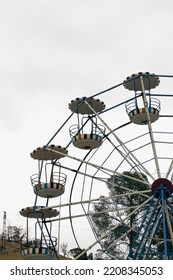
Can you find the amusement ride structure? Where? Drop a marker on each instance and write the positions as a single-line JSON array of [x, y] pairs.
[[132, 133]]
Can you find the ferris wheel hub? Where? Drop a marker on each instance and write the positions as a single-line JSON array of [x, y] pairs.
[[164, 183]]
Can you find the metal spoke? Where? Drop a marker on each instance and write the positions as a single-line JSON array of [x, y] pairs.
[[150, 129]]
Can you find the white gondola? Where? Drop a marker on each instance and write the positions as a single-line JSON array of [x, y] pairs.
[[43, 247], [52, 182], [87, 134], [143, 108]]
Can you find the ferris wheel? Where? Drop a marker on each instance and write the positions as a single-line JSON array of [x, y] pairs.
[[112, 153]]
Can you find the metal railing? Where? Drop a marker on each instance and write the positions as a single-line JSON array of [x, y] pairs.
[[132, 105], [56, 177], [95, 130]]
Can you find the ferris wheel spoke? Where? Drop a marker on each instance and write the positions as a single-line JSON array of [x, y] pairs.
[[169, 170], [150, 129]]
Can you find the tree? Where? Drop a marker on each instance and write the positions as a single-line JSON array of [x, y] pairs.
[[64, 250], [77, 251], [112, 211], [14, 233]]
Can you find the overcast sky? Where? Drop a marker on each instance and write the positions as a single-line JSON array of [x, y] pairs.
[[52, 51]]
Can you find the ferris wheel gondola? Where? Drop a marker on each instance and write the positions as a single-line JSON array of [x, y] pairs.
[[92, 138]]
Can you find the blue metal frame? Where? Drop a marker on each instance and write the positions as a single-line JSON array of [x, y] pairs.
[[143, 246]]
